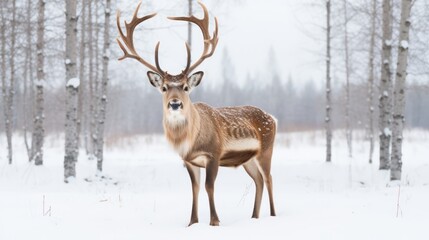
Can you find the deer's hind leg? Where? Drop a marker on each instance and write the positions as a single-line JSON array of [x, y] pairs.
[[212, 168], [264, 167], [253, 171]]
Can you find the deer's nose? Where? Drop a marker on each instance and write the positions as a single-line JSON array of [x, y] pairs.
[[175, 104]]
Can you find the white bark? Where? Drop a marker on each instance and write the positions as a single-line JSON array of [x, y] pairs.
[[371, 81], [386, 87], [399, 94], [71, 141], [103, 88], [89, 116], [190, 24], [82, 67], [39, 131], [347, 66], [328, 122], [3, 73], [27, 74], [96, 91], [10, 92]]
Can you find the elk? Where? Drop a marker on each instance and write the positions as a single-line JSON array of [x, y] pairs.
[[204, 136]]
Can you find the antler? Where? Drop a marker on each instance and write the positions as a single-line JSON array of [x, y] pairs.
[[210, 43], [130, 51]]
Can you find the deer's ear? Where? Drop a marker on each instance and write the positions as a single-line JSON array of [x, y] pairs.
[[155, 79], [195, 79]]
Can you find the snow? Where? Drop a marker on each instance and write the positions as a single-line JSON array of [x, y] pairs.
[[387, 132], [67, 61], [145, 193], [404, 44], [106, 54], [388, 42], [73, 82], [39, 83], [385, 93]]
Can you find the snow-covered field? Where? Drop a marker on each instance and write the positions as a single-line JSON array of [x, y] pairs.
[[145, 193]]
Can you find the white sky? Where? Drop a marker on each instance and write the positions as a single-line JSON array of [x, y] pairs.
[[248, 29]]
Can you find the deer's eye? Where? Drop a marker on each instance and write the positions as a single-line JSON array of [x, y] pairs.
[[164, 89], [186, 88]]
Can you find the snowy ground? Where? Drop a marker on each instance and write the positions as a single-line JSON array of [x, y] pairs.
[[146, 194]]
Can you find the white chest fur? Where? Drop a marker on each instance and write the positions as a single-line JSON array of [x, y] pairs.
[[183, 148]]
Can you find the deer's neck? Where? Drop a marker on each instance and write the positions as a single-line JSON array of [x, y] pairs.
[[181, 129]]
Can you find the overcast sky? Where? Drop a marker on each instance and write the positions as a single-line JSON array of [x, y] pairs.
[[247, 29]]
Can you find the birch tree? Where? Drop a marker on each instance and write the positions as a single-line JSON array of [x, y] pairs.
[[38, 129], [190, 24], [82, 67], [96, 90], [347, 68], [385, 102], [89, 118], [3, 72], [103, 88], [8, 88], [28, 73], [72, 90], [371, 75], [399, 91], [328, 123]]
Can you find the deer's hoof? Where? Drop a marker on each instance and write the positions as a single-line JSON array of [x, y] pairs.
[[214, 223], [192, 222]]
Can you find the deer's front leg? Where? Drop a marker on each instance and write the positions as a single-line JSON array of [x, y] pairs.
[[211, 173], [194, 174]]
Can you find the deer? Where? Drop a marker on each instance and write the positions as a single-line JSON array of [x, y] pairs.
[[204, 136]]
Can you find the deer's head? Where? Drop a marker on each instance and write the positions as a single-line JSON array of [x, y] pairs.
[[175, 89]]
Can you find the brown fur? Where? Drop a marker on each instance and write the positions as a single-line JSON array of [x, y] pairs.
[[208, 131], [207, 137]]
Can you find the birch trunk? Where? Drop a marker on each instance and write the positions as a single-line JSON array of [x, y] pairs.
[[90, 114], [11, 92], [190, 24], [399, 93], [82, 58], [386, 88], [39, 131], [347, 62], [27, 75], [72, 90], [371, 81], [96, 91], [328, 122], [3, 72], [103, 88]]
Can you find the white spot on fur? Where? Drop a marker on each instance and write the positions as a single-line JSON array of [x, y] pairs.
[[242, 144]]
